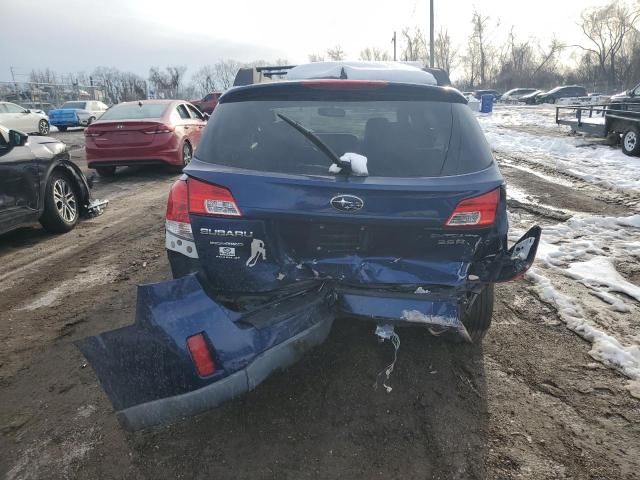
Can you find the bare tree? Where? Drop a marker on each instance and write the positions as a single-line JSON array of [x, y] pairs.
[[606, 29], [336, 53], [119, 86], [176, 76], [226, 71], [415, 46], [478, 38], [204, 80], [316, 57], [43, 76], [445, 54], [374, 54]]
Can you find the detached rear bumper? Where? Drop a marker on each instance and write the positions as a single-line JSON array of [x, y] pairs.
[[147, 370]]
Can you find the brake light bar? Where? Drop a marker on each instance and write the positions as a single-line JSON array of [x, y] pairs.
[[209, 199], [333, 84], [478, 211]]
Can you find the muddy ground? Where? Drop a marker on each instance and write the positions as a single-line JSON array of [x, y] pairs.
[[529, 403]]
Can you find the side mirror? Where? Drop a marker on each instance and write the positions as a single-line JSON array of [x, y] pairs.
[[513, 263], [17, 138]]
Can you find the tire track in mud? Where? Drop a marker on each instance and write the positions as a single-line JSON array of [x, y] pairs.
[[19, 264], [36, 303]]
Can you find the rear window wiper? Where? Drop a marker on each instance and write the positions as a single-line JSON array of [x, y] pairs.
[[323, 147]]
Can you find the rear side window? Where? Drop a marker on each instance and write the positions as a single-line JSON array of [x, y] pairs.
[[195, 113], [399, 138], [182, 112], [132, 111]]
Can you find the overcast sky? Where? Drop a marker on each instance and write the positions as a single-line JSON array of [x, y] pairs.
[[78, 35]]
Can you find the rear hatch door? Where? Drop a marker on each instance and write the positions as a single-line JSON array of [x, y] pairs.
[[297, 222]]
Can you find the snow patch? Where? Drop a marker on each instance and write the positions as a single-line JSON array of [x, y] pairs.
[[590, 162]]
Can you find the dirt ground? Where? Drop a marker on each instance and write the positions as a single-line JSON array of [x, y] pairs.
[[529, 403]]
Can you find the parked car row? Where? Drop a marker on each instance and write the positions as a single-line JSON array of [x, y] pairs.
[[532, 96]]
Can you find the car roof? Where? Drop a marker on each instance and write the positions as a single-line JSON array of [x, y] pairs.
[[389, 71], [153, 102], [351, 89]]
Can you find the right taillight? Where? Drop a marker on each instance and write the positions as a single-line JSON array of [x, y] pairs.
[[476, 212]]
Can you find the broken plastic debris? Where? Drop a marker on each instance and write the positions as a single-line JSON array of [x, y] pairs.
[[386, 332]]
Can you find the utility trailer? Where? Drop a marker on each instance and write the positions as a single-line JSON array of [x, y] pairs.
[[617, 121]]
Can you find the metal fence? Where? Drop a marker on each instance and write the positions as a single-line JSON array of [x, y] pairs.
[[48, 95]]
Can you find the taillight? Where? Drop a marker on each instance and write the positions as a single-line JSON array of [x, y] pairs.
[[208, 199], [193, 196], [158, 129], [201, 355], [177, 218], [476, 212]]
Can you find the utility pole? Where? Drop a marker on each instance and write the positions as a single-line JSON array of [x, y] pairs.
[[394, 46], [431, 45]]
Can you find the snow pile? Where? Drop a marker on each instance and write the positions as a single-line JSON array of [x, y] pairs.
[[599, 272], [598, 164], [586, 249], [605, 348], [358, 164]]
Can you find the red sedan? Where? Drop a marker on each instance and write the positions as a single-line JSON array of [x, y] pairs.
[[148, 132]]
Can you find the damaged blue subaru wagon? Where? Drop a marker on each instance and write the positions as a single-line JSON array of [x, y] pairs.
[[305, 201]]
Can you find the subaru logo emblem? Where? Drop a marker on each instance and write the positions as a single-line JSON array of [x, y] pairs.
[[347, 203]]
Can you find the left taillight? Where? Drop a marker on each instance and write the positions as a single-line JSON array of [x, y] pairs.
[[478, 211], [208, 199], [177, 218], [200, 198], [201, 355]]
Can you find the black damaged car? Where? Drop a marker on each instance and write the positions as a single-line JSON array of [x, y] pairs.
[[39, 183]]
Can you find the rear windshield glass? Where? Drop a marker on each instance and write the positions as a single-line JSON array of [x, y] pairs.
[[399, 138], [74, 105], [133, 110]]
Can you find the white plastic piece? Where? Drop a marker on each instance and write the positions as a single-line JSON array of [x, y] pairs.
[[180, 245], [358, 164]]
